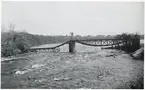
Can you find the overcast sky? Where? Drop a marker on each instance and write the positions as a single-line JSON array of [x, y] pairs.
[[83, 18]]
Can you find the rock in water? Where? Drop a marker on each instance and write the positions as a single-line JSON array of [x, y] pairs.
[[37, 65], [61, 78], [20, 72], [138, 54]]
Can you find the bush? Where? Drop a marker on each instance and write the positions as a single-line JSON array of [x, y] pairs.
[[133, 41], [13, 43]]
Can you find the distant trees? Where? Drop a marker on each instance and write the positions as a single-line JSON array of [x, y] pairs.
[[127, 36], [94, 37]]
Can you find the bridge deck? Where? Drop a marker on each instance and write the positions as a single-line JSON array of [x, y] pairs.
[[100, 39]]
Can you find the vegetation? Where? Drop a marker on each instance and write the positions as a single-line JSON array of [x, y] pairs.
[[127, 36], [19, 42], [13, 43], [133, 42]]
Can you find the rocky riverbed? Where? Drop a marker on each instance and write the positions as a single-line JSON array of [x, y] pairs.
[[90, 68]]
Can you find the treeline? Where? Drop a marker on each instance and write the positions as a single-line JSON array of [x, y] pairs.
[[33, 40]]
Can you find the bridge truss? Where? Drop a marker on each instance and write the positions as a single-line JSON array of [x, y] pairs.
[[88, 42]]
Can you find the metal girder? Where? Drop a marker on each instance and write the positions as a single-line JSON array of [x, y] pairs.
[[103, 42]]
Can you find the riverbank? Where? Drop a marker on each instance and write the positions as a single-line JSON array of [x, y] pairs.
[[102, 69]]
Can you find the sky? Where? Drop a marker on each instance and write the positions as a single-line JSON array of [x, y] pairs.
[[82, 18]]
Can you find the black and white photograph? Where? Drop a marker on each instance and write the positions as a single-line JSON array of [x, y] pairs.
[[72, 45]]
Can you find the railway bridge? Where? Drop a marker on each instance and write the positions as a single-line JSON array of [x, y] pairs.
[[133, 43]]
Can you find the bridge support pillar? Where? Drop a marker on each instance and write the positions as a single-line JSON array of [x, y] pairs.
[[72, 46]]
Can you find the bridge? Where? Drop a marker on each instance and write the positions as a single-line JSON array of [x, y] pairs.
[[93, 42]]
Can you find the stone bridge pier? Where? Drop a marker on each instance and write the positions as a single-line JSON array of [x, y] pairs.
[[72, 44]]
